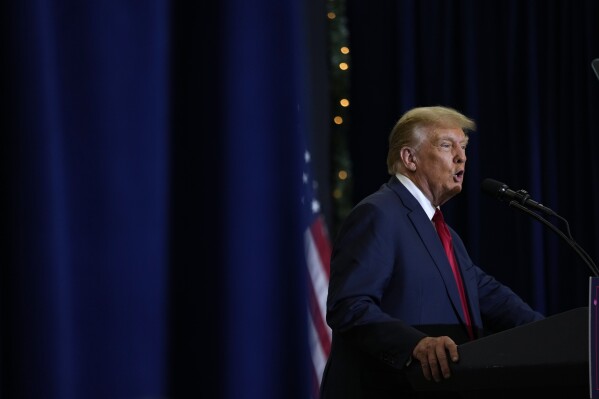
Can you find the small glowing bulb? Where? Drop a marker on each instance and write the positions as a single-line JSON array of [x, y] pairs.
[[337, 193], [338, 120], [342, 175], [331, 15], [344, 102], [344, 50], [343, 66]]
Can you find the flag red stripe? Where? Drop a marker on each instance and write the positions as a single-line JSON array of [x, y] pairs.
[[321, 240], [319, 323], [318, 255]]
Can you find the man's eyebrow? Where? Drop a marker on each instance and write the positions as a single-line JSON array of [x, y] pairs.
[[449, 138]]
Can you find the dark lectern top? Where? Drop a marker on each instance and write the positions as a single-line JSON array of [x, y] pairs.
[[537, 359]]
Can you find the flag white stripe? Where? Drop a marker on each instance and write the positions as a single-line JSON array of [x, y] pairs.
[[317, 275], [319, 358]]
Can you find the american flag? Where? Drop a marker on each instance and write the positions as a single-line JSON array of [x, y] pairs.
[[317, 251]]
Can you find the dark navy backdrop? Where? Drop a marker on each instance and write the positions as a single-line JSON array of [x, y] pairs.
[[151, 154], [522, 70], [153, 232]]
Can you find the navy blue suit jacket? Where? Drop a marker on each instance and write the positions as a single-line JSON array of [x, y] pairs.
[[391, 285]]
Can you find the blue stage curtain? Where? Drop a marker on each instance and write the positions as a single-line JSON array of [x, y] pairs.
[[522, 70], [84, 287], [152, 161]]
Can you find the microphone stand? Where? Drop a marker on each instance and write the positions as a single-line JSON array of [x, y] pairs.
[[570, 241]]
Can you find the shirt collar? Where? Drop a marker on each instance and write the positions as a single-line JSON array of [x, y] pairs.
[[417, 193]]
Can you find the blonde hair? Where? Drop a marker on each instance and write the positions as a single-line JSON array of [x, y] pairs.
[[405, 131]]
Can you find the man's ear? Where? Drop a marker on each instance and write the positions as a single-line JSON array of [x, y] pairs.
[[408, 158]]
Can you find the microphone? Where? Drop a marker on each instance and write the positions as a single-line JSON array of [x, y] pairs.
[[521, 200], [502, 192]]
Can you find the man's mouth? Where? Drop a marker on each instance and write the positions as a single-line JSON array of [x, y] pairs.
[[459, 176]]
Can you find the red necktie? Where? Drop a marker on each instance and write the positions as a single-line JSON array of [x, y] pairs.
[[445, 236]]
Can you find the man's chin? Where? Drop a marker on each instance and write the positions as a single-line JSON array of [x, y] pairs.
[[455, 190]]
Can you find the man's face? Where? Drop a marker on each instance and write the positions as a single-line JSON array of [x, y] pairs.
[[440, 163]]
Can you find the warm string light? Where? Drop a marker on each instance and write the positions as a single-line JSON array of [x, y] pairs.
[[340, 102], [344, 102]]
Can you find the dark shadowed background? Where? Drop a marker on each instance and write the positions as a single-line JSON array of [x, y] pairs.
[[151, 155]]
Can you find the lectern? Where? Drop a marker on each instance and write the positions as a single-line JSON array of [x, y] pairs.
[[546, 358]]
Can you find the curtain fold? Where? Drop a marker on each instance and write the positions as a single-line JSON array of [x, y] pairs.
[[152, 165], [522, 70], [152, 159], [83, 280]]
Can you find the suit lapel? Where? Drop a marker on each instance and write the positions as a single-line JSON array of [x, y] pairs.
[[425, 229]]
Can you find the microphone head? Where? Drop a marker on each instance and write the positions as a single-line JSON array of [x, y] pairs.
[[493, 187]]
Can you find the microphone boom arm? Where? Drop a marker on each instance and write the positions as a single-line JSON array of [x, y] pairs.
[[570, 241]]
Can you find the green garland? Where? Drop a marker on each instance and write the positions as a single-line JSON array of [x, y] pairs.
[[341, 178]]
